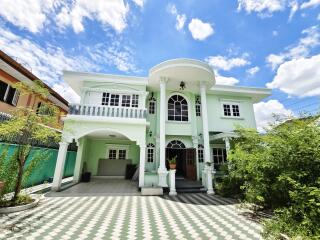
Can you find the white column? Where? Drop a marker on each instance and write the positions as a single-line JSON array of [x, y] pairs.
[[77, 167], [206, 143], [195, 145], [227, 143], [58, 173], [172, 174], [142, 164], [162, 171]]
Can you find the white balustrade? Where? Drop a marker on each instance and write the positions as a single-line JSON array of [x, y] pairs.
[[107, 111]]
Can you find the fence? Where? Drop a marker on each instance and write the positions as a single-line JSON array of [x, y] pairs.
[[45, 169]]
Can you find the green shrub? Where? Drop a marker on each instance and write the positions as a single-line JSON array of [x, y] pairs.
[[279, 170]]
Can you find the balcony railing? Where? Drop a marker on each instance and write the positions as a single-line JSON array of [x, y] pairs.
[[107, 111]]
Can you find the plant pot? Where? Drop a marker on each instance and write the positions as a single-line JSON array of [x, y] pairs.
[[172, 165], [2, 184]]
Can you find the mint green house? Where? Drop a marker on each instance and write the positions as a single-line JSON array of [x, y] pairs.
[[177, 110]]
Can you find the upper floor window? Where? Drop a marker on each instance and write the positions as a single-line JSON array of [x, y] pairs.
[[152, 104], [150, 153], [8, 94], [198, 107], [123, 100], [177, 108], [231, 110], [200, 153]]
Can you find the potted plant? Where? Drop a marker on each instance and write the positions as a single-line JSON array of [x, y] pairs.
[[173, 162]]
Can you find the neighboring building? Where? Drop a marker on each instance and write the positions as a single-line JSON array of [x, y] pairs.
[[12, 72], [177, 110]]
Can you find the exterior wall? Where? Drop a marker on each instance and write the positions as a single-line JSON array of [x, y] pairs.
[[219, 123], [97, 149]]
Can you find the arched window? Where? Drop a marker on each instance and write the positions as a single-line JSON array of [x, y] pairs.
[[177, 108], [176, 144], [152, 107], [200, 153], [198, 107], [150, 153]]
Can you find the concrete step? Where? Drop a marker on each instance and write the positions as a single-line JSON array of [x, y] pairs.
[[191, 190]]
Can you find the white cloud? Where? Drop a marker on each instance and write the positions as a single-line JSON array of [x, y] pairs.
[[110, 13], [200, 30], [140, 3], [252, 71], [301, 49], [265, 111], [224, 63], [180, 18], [310, 3], [275, 33], [294, 5], [27, 14], [48, 62], [299, 77], [222, 80], [262, 7]]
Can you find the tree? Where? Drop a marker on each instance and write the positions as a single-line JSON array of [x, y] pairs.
[[28, 127], [280, 170]]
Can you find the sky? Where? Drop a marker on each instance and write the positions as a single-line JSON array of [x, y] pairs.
[[255, 43]]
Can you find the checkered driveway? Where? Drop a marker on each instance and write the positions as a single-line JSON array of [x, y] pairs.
[[185, 216]]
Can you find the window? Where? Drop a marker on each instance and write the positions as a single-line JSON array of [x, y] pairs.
[[177, 108], [105, 98], [112, 154], [226, 110], [126, 100], [150, 153], [200, 153], [8, 94], [231, 110], [152, 107], [117, 151], [176, 144], [219, 156], [235, 111], [122, 154], [198, 107], [114, 99], [135, 100]]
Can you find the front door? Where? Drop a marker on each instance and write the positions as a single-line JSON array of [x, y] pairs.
[[191, 168]]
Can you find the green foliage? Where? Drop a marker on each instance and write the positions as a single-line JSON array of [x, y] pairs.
[[8, 169], [20, 200], [27, 128], [173, 160], [280, 170]]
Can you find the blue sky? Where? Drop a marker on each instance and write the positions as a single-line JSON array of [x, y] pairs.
[[258, 43]]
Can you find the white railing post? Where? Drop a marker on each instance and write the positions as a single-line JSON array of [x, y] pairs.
[[172, 175]]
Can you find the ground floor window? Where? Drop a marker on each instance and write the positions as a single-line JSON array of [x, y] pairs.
[[117, 151], [150, 153], [200, 153], [219, 156]]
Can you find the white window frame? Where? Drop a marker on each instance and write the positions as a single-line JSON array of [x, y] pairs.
[[133, 97], [151, 147], [154, 107], [188, 109], [200, 152], [117, 148], [223, 150], [230, 103]]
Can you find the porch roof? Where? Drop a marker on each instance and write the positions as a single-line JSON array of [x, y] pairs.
[[223, 135]]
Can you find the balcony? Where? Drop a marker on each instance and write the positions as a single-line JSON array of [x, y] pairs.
[[107, 111]]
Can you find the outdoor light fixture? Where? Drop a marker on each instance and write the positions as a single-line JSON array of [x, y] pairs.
[[150, 133], [182, 85]]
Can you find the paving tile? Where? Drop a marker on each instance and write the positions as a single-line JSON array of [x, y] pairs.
[[185, 216]]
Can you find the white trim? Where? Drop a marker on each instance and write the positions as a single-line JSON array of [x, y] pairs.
[[230, 103]]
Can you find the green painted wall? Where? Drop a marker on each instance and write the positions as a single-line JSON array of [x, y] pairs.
[[45, 169], [96, 149]]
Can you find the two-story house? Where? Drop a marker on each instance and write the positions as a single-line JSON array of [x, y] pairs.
[[178, 110]]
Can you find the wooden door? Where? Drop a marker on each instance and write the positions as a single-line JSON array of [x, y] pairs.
[[191, 168]]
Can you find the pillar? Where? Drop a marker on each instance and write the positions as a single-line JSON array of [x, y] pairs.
[[206, 143], [142, 164], [78, 165], [172, 174], [195, 145], [162, 171], [58, 173]]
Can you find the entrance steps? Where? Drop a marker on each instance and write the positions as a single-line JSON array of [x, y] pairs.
[[188, 186]]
